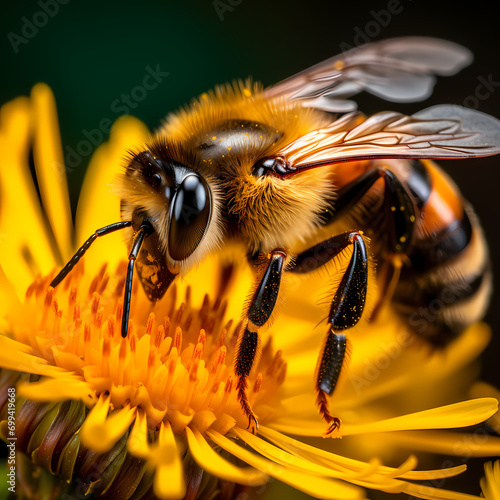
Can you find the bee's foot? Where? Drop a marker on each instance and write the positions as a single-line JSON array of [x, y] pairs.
[[333, 423], [333, 429], [253, 424]]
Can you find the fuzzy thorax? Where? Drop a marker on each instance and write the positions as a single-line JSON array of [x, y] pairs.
[[265, 212], [273, 212]]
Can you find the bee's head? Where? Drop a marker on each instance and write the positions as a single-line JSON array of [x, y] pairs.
[[163, 185]]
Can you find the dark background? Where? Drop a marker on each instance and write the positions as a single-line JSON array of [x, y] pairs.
[[91, 52]]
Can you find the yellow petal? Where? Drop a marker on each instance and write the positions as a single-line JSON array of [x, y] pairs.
[[100, 431], [339, 461], [50, 168], [482, 390], [462, 414], [98, 206], [213, 463], [137, 443], [312, 485], [490, 484], [59, 389], [17, 357], [169, 482], [9, 301], [286, 459], [25, 249], [427, 492], [294, 461], [477, 444]]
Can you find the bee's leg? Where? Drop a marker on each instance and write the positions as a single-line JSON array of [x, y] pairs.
[[259, 312], [398, 206], [329, 367], [81, 251], [398, 212], [345, 310], [144, 230]]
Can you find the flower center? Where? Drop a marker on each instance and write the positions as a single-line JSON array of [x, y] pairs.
[[175, 363]]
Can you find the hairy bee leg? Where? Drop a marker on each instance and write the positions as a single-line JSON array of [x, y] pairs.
[[329, 367], [345, 311], [81, 251], [260, 310], [398, 206], [399, 209], [245, 356]]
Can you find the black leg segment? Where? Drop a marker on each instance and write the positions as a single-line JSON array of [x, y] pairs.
[[329, 368], [266, 295], [399, 208], [349, 300], [81, 251], [261, 308], [145, 230], [330, 364], [397, 219], [345, 311], [245, 357]]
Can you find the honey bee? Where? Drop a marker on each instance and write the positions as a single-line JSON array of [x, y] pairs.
[[274, 168]]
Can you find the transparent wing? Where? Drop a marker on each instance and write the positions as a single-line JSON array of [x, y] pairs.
[[397, 69], [443, 131]]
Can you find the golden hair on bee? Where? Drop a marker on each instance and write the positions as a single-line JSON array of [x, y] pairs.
[[142, 189], [268, 211], [299, 180], [243, 100]]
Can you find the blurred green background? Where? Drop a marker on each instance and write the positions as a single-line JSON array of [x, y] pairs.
[[91, 53]]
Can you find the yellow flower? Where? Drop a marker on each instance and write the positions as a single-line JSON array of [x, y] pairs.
[[157, 411], [490, 484]]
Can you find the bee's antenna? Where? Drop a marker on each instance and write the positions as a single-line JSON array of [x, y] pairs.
[[81, 251], [145, 230]]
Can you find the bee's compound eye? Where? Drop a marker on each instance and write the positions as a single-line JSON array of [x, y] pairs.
[[190, 217]]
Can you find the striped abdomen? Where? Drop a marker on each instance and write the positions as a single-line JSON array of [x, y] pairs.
[[446, 284]]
